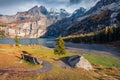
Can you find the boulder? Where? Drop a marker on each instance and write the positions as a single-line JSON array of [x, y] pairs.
[[73, 60], [83, 63], [30, 59], [79, 61]]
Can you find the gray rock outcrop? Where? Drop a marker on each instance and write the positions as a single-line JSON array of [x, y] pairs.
[[80, 62]]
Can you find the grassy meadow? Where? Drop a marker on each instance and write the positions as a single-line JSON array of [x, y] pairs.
[[106, 67]]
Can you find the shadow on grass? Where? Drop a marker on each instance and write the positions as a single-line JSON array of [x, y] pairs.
[[25, 52]]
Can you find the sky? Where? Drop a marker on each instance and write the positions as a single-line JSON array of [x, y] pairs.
[[11, 7]]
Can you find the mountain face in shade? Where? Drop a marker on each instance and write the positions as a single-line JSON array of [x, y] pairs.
[[78, 13], [101, 4], [103, 14], [99, 16], [43, 10], [61, 26], [31, 23]]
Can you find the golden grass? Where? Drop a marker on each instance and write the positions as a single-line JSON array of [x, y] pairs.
[[9, 58]]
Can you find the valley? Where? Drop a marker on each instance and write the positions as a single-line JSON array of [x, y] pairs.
[[47, 40]]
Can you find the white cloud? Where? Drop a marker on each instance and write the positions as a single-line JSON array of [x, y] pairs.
[[13, 8], [10, 7]]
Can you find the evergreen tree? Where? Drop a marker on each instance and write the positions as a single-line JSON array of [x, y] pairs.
[[118, 17], [118, 35], [2, 34], [110, 34], [59, 48], [106, 34], [16, 41], [106, 30]]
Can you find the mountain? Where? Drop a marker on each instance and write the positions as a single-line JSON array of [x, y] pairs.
[[57, 14], [40, 22], [31, 23], [78, 13], [62, 25], [98, 17], [43, 10], [103, 14], [101, 5]]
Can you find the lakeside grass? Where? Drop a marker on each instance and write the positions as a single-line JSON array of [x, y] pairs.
[[103, 59], [57, 72], [48, 53]]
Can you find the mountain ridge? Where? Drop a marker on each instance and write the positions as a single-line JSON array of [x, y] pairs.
[[90, 20], [39, 22], [102, 17], [31, 23]]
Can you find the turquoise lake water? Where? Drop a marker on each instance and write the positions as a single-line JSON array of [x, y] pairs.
[[48, 42]]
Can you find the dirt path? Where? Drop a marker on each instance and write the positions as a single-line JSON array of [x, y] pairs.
[[45, 67], [92, 48]]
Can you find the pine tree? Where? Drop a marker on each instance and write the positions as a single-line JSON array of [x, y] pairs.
[[2, 34], [59, 48], [106, 33], [16, 41], [118, 17], [106, 30]]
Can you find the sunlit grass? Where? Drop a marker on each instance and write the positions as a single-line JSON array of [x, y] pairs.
[[103, 59], [48, 53], [9, 56]]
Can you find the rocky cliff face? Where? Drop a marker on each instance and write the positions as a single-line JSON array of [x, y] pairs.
[[31, 23], [103, 14], [60, 27]]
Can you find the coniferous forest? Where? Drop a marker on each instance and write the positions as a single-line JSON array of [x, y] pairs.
[[108, 34]]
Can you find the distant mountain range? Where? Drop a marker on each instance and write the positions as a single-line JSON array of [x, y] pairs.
[[61, 26], [39, 22], [103, 14]]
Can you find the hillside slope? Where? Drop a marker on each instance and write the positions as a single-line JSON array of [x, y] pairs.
[[98, 17], [103, 14]]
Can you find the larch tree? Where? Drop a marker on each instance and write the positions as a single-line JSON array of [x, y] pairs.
[[16, 41], [60, 47]]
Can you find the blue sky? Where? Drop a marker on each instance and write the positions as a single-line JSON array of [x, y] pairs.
[[11, 7]]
